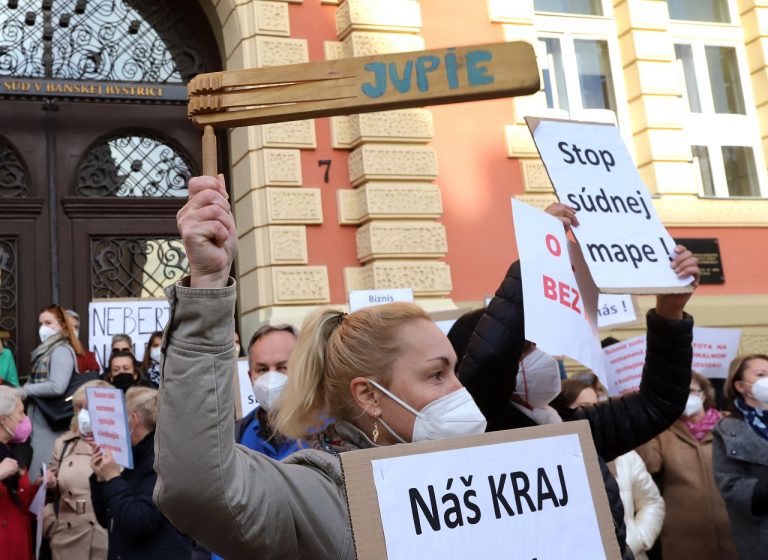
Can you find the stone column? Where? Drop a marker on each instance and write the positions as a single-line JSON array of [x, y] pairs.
[[754, 18], [272, 205], [394, 203]]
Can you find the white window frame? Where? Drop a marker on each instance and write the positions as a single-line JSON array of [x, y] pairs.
[[607, 12], [733, 13], [716, 130], [568, 28]]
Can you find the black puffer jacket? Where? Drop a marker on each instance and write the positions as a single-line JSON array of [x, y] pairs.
[[488, 369]]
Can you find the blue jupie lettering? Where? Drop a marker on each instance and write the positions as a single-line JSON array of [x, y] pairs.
[[425, 65], [476, 74], [402, 85], [379, 86], [450, 69]]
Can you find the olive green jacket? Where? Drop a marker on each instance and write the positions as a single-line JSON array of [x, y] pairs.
[[233, 501]]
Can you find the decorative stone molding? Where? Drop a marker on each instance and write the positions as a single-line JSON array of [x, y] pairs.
[[273, 245], [272, 18], [389, 200], [535, 178], [407, 125], [427, 278], [282, 206], [279, 51], [517, 12], [265, 168], [754, 342], [284, 285], [520, 142], [373, 162], [375, 15], [754, 18], [692, 211], [361, 43], [400, 239], [333, 50], [293, 134]]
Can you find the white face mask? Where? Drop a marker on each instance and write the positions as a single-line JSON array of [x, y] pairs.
[[760, 390], [455, 414], [268, 388], [84, 422], [46, 332], [694, 405], [538, 379], [156, 353]]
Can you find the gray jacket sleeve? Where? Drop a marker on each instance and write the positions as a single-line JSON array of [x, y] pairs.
[[235, 502], [732, 477], [60, 370]]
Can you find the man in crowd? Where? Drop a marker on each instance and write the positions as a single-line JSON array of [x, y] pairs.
[[269, 349]]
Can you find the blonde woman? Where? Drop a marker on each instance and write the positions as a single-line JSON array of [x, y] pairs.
[[70, 523], [386, 374]]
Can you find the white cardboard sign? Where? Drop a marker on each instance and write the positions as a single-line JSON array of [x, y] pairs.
[[552, 295], [713, 351], [109, 422], [247, 398], [615, 309], [624, 243], [466, 503], [136, 318], [359, 299]]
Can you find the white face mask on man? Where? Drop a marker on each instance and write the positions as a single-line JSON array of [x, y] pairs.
[[268, 388], [455, 414], [538, 379]]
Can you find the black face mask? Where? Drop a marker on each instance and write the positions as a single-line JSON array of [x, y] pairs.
[[123, 381]]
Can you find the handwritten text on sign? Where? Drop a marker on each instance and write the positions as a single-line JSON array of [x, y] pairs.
[[551, 293], [110, 423], [138, 319], [475, 72], [624, 242], [474, 502]]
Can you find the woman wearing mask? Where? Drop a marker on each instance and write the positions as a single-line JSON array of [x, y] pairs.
[[385, 373], [643, 505], [53, 363], [681, 460], [491, 342], [86, 360], [70, 524], [150, 364], [16, 491], [740, 455], [122, 499]]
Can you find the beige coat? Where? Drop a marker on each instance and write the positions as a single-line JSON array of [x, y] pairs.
[[72, 534], [696, 526]]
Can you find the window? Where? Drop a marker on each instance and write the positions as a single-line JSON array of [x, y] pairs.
[[721, 124], [577, 74], [577, 7], [712, 11]]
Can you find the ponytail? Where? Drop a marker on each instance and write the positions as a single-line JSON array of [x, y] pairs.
[[332, 349]]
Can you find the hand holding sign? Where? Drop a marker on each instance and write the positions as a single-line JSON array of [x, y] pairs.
[[207, 227], [103, 464], [670, 306]]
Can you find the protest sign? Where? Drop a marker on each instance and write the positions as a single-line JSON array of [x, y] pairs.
[[614, 310], [624, 363], [358, 299], [37, 508], [552, 295], [247, 400], [109, 422], [137, 318], [538, 488], [624, 243], [713, 351]]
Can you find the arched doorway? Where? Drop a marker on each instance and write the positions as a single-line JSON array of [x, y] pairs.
[[95, 151]]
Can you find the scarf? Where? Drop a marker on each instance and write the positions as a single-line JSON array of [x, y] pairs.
[[153, 373], [700, 429], [41, 357], [339, 437], [755, 417]]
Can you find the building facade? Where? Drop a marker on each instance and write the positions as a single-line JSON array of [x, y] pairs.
[[411, 198]]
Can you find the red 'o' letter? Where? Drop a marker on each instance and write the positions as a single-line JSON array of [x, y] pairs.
[[553, 245]]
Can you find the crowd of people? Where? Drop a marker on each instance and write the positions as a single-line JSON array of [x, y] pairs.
[[683, 479]]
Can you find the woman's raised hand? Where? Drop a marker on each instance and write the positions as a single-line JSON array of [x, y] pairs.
[[207, 227], [671, 306]]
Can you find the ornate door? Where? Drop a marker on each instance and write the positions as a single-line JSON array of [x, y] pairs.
[[95, 152]]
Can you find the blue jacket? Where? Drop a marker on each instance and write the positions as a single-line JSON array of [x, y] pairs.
[[124, 506], [248, 432]]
